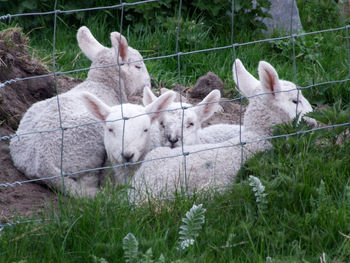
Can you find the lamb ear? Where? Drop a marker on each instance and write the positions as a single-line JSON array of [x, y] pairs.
[[209, 106], [98, 108], [120, 45], [268, 78], [245, 82], [160, 104], [148, 96], [87, 43]]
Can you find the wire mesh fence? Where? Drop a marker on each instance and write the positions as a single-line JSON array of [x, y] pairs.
[[177, 54]]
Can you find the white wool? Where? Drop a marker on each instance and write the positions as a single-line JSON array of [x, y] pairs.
[[127, 128], [219, 133], [178, 125], [38, 155], [219, 165], [223, 132]]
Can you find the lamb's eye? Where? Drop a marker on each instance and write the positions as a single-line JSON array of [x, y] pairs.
[[295, 101], [190, 124], [145, 130], [137, 66], [110, 129]]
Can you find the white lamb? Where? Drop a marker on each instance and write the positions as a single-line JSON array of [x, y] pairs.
[[217, 167], [38, 155], [177, 126], [222, 132], [219, 132], [126, 141]]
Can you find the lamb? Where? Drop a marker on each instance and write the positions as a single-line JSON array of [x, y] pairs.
[[59, 144], [171, 130], [126, 141], [209, 165], [219, 132], [222, 132]]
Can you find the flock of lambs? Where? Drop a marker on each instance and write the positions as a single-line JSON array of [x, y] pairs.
[[63, 139]]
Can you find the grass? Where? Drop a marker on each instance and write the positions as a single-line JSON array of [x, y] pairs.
[[306, 177], [307, 213]]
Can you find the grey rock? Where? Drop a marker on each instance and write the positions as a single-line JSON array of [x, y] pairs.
[[285, 17]]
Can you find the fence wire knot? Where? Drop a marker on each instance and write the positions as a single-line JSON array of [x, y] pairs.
[[8, 82], [7, 16], [11, 184], [8, 137]]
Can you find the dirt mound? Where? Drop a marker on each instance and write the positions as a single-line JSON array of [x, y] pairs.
[[15, 98], [16, 63]]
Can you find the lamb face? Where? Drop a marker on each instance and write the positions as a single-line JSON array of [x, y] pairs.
[[288, 100], [174, 131], [182, 121], [135, 74], [127, 140], [293, 102], [133, 71], [127, 126]]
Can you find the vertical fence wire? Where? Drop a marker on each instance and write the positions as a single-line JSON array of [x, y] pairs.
[[293, 37], [237, 84], [347, 44], [57, 97], [125, 118], [295, 80], [183, 108], [232, 21]]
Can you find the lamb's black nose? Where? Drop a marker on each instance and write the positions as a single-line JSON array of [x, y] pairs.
[[127, 157], [173, 141]]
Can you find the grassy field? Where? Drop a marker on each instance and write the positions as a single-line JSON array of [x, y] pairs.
[[305, 215]]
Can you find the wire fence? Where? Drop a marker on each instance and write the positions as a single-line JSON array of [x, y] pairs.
[[177, 54]]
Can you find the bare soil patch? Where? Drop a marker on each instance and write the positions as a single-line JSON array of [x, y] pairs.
[[16, 62]]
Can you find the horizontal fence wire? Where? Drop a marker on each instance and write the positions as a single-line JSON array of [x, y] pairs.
[[237, 99], [267, 138], [58, 73], [177, 54], [9, 16]]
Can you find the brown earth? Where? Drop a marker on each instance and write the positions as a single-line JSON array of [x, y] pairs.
[[26, 199]]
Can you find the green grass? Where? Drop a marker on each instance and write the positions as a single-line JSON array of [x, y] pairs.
[[307, 177], [319, 58], [308, 200]]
